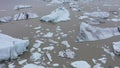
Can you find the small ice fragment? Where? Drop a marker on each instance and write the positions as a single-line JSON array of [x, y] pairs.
[[67, 54], [49, 34], [35, 56], [49, 57], [48, 48], [22, 61], [65, 43]]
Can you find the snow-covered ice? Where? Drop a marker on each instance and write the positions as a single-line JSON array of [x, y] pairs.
[[92, 33], [11, 47], [24, 15], [17, 7], [49, 48], [58, 15], [80, 64]]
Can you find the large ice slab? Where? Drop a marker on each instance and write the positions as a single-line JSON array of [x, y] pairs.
[[5, 19], [17, 7], [116, 47], [80, 64], [24, 15], [58, 15], [92, 33], [11, 47]]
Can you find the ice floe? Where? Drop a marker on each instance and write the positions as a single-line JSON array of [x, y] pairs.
[[17, 7], [98, 14], [5, 19], [116, 47], [24, 16], [11, 47], [49, 56], [22, 61], [58, 15], [48, 48], [80, 64], [92, 33], [67, 54]]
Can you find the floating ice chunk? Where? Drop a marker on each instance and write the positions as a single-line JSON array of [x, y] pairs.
[[24, 15], [55, 65], [97, 65], [55, 2], [17, 7], [58, 15], [35, 56], [67, 54], [109, 52], [83, 17], [11, 65], [98, 14], [22, 61], [52, 41], [49, 34], [116, 47], [37, 44], [80, 64], [116, 67], [103, 60], [48, 48], [49, 57], [74, 6], [65, 43], [115, 20], [5, 19], [37, 28], [92, 33], [32, 66], [11, 47]]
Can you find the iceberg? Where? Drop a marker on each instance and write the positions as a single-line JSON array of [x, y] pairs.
[[24, 15], [116, 47], [17, 7], [93, 33], [11, 47], [58, 15], [5, 19]]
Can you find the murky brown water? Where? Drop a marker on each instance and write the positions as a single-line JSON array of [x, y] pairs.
[[87, 50]]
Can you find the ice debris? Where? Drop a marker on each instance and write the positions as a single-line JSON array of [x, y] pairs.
[[48, 48], [92, 33], [17, 7], [11, 47], [80, 64], [49, 57], [67, 54], [58, 15], [24, 16], [48, 35], [22, 61]]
